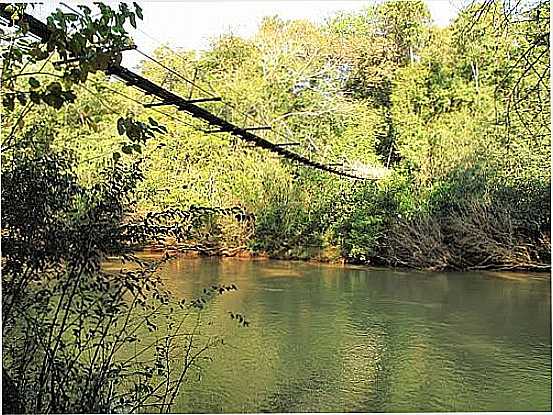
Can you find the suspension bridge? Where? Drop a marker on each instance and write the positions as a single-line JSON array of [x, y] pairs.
[[193, 108]]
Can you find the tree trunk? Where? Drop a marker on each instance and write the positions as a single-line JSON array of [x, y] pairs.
[[474, 67]]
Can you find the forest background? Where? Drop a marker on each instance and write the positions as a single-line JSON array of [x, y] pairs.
[[452, 122], [450, 126]]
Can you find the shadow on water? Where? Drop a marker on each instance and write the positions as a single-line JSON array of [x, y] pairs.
[[334, 339]]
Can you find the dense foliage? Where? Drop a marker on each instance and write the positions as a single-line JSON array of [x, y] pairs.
[[68, 323], [453, 122]]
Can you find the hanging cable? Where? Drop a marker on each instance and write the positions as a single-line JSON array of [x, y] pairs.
[[174, 118], [168, 98], [194, 84], [174, 72]]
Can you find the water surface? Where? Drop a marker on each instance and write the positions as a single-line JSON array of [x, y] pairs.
[[333, 339]]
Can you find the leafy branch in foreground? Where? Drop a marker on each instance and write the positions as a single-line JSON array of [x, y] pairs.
[[69, 326]]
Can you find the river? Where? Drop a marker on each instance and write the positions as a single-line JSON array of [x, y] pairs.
[[340, 339]]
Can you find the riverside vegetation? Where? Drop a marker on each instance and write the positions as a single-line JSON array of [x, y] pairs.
[[455, 121]]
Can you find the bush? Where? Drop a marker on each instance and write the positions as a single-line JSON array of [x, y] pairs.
[[476, 235], [68, 325]]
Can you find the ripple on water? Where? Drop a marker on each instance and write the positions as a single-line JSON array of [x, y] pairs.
[[338, 339]]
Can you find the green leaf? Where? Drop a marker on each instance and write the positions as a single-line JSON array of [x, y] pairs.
[[69, 96], [54, 87], [127, 149], [8, 101], [138, 10], [54, 100], [85, 9], [33, 82], [133, 20], [121, 126], [22, 99], [35, 97]]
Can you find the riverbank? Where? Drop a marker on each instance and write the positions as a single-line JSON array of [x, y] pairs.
[[478, 238], [320, 256]]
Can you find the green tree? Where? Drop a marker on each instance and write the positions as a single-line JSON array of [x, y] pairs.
[[66, 321]]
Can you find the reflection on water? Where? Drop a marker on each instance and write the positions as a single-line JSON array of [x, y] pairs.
[[331, 339]]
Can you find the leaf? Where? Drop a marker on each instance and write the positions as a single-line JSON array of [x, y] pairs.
[[133, 20], [121, 126], [38, 53], [33, 82], [54, 100], [22, 99], [54, 87], [127, 149], [69, 96], [85, 9], [138, 10], [8, 101], [35, 97]]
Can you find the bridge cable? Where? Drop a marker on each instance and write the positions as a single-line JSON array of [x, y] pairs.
[[149, 87]]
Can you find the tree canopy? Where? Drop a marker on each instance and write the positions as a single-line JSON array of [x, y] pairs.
[[454, 121]]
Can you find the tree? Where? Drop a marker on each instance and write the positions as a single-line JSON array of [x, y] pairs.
[[406, 24], [65, 320]]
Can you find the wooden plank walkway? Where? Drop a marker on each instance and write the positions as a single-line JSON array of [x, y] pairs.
[[166, 97]]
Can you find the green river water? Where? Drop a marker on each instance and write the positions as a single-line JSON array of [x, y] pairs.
[[335, 339]]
